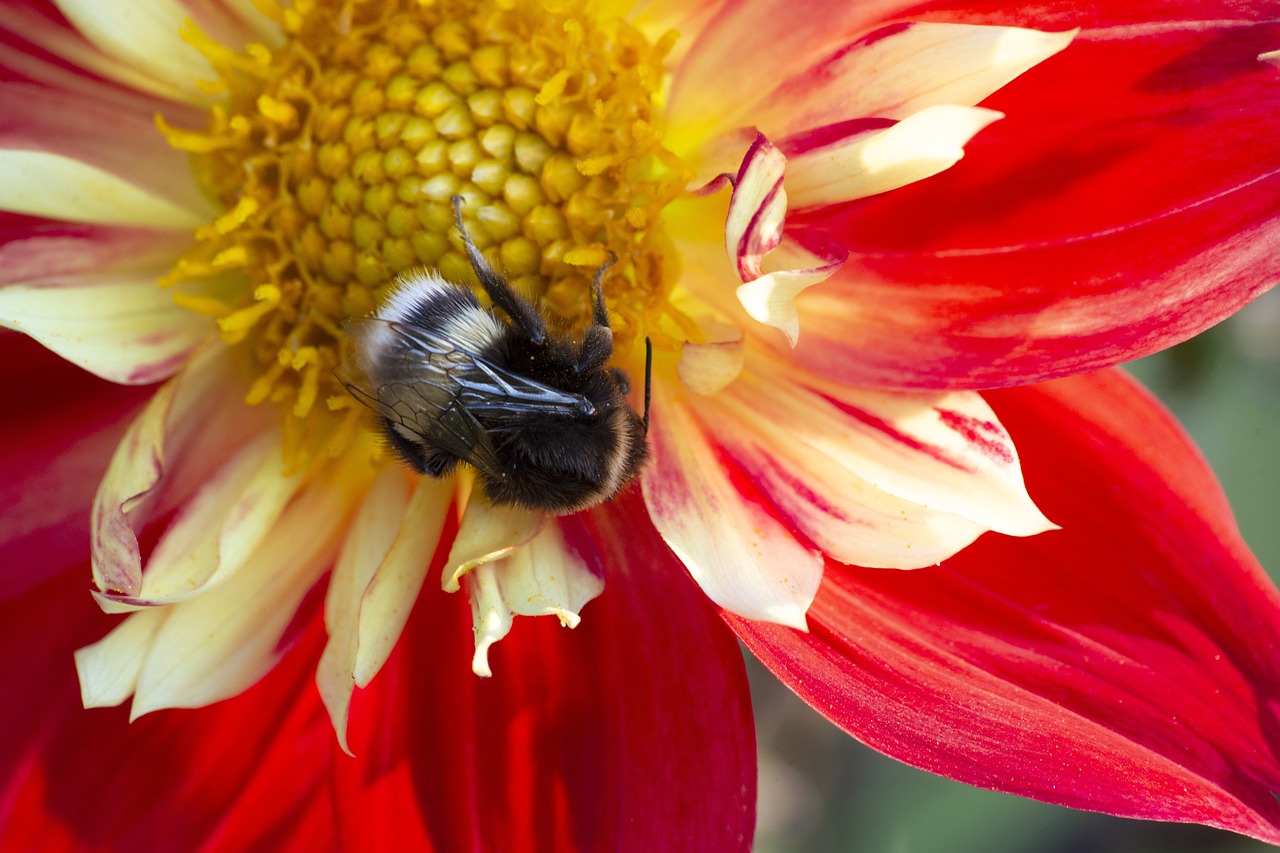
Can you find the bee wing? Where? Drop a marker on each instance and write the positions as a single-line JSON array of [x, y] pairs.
[[415, 381], [435, 389]]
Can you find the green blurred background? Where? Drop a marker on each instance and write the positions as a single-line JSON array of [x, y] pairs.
[[822, 791]]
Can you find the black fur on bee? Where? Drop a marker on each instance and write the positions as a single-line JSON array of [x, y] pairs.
[[542, 417]]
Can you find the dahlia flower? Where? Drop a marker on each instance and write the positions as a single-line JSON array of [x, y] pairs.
[[200, 194]]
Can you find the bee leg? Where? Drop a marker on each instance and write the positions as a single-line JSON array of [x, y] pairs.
[[597, 343], [648, 380], [519, 309], [621, 379]]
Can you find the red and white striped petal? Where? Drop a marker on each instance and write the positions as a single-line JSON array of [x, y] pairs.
[[1128, 201], [189, 429], [554, 574], [144, 35], [1125, 663], [216, 645], [38, 183], [875, 161], [121, 326], [879, 480], [95, 131], [28, 253], [757, 208], [378, 576], [50, 32], [713, 518], [901, 69]]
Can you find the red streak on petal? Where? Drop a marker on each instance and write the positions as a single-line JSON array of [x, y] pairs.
[[902, 438], [986, 436]]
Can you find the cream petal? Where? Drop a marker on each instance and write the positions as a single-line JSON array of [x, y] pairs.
[[903, 69], [389, 598], [543, 578], [120, 326], [487, 533], [43, 184], [216, 645], [144, 34], [368, 540], [108, 670], [745, 560], [710, 366], [919, 146]]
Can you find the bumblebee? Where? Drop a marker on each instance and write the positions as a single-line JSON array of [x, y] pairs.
[[541, 417]]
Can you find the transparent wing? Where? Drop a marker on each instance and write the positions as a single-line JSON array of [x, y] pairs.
[[435, 390]]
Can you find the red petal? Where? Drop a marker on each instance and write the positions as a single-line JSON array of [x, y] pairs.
[[60, 429], [1130, 199], [1125, 664], [590, 738], [633, 729]]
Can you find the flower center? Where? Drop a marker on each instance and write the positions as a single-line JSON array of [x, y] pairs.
[[336, 155]]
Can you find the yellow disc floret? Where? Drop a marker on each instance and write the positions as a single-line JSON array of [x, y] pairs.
[[335, 156]]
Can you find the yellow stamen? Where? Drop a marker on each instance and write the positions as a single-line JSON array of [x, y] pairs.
[[337, 153]]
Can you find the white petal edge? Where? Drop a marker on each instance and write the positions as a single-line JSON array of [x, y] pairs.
[[42, 184], [918, 147], [744, 559], [108, 670]]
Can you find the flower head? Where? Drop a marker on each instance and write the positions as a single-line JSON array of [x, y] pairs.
[[304, 157]]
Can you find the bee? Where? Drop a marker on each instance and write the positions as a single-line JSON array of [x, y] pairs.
[[541, 417]]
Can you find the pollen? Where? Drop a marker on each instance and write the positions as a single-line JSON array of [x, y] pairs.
[[336, 153]]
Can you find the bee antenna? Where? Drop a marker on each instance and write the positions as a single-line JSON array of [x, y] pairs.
[[598, 313], [648, 379]]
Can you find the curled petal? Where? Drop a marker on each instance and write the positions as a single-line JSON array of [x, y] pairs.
[[1124, 663], [771, 298], [757, 208], [745, 559], [60, 428], [186, 432], [546, 577], [875, 161], [487, 533], [216, 530], [214, 646]]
